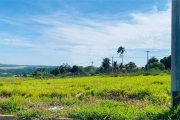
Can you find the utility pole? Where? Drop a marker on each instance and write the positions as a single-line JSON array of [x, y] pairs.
[[175, 53], [112, 64], [147, 67]]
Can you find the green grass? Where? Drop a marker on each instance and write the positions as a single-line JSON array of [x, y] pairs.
[[98, 97]]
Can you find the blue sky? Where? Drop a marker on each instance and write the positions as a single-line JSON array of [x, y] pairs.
[[78, 32]]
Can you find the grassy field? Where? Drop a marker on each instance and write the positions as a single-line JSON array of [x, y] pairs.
[[98, 97]]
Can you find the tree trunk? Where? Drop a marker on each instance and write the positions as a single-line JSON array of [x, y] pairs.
[[122, 59]]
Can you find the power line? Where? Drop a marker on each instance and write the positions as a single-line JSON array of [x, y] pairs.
[[87, 62], [160, 56], [90, 62], [144, 57], [131, 57]]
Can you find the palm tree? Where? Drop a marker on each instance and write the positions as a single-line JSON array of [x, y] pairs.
[[121, 50]]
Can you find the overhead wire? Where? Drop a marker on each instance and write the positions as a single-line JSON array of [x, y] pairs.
[[114, 57]]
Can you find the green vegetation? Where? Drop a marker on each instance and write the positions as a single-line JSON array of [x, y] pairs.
[[154, 63], [98, 97], [67, 70], [107, 67], [167, 62], [9, 70], [106, 64]]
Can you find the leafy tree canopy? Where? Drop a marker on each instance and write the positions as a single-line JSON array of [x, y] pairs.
[[121, 50], [106, 63], [153, 60], [155, 64], [130, 65], [75, 69], [167, 62]]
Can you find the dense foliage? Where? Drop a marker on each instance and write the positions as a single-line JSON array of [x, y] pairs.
[[167, 62], [154, 63], [67, 70]]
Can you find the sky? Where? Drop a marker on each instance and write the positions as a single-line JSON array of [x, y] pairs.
[[79, 32]]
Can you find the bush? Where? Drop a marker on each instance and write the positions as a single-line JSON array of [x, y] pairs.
[[171, 114], [9, 107]]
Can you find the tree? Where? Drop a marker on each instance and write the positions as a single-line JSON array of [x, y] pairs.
[[38, 72], [41, 70], [67, 67], [131, 65], [81, 69], [75, 69], [155, 64], [121, 66], [115, 66], [35, 73], [153, 60], [55, 72], [167, 62], [126, 66], [121, 50], [62, 69], [106, 63], [90, 69], [142, 68]]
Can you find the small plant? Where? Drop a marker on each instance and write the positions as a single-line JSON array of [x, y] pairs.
[[10, 106], [28, 115]]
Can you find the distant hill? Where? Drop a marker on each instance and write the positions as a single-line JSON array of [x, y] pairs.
[[22, 69]]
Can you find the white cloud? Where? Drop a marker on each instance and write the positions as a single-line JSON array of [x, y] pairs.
[[6, 39], [145, 30], [87, 39]]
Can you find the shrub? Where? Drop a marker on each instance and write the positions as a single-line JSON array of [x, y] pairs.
[[9, 106]]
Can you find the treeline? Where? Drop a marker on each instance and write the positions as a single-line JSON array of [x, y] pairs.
[[107, 67]]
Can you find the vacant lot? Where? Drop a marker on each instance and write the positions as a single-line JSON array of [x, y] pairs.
[[98, 97]]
